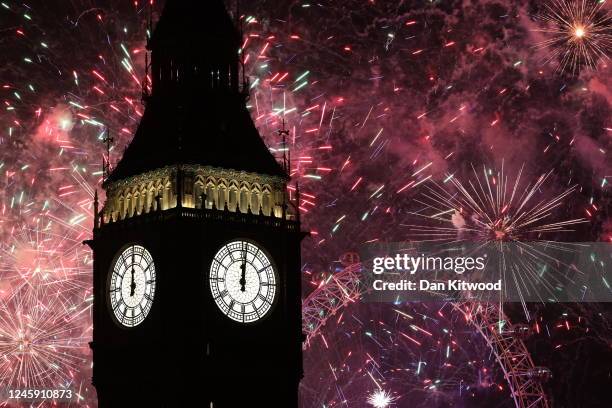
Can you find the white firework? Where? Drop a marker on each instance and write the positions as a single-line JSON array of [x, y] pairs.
[[579, 33], [380, 399]]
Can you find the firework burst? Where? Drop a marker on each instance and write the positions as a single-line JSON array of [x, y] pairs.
[[44, 253], [41, 341], [506, 214], [58, 104], [492, 208], [419, 354], [579, 33], [380, 399]]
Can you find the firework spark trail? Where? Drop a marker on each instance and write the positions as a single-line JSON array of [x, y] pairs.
[[47, 190], [59, 103], [497, 211], [39, 255], [437, 358], [41, 340], [580, 33], [380, 399], [490, 208]]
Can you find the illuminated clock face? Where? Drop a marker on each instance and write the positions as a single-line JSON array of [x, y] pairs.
[[243, 281], [132, 285]]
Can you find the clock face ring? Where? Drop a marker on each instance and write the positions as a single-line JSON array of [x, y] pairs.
[[131, 285], [242, 281]]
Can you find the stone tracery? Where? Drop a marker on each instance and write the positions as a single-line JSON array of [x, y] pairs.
[[202, 188]]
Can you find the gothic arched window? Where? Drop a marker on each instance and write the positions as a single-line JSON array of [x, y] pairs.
[[221, 192], [210, 195], [120, 204], [265, 202], [135, 202], [244, 200], [255, 196], [233, 198]]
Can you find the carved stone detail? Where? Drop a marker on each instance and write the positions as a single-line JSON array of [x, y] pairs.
[[203, 187]]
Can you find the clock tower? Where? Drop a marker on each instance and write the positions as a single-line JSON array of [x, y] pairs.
[[197, 297]]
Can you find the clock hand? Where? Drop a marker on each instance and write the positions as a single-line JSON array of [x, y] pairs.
[[243, 278], [133, 284], [243, 274]]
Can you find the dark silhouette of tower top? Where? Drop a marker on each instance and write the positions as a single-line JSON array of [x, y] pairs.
[[196, 112]]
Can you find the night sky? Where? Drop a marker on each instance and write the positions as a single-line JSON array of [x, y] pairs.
[[382, 98]]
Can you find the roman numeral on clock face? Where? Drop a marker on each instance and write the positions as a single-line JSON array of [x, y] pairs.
[[117, 306]]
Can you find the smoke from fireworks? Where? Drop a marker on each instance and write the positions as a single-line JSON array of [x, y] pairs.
[[379, 99]]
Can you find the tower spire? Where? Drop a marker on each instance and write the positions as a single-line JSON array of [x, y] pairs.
[[195, 110], [106, 166], [297, 201], [283, 132], [191, 57]]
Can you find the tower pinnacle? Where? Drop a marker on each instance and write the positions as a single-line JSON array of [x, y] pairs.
[[196, 113]]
